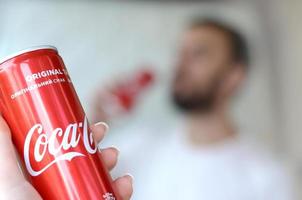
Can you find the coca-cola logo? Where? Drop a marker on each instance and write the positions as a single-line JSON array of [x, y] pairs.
[[47, 143]]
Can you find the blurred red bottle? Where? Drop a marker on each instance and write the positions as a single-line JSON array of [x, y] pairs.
[[122, 96]]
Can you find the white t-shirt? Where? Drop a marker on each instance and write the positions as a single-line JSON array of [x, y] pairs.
[[166, 167]]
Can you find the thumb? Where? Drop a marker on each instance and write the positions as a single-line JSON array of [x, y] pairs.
[[10, 173]]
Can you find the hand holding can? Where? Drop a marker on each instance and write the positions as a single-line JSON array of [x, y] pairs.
[[51, 133]]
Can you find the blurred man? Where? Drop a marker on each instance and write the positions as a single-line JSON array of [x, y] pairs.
[[205, 158]]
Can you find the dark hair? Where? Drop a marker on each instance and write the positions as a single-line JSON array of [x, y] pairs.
[[238, 42]]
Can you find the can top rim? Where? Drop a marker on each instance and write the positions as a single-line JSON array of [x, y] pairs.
[[30, 49]]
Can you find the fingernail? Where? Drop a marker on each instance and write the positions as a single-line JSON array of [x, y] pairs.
[[103, 124], [113, 147], [117, 149], [130, 177]]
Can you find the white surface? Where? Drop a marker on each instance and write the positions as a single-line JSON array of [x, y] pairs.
[[290, 71]]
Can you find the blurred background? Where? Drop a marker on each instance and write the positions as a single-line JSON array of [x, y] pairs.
[[111, 46]]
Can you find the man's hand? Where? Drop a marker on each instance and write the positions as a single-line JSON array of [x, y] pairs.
[[13, 185]]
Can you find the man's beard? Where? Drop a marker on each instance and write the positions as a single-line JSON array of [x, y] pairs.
[[199, 102]]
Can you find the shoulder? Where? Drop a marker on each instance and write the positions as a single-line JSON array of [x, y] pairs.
[[137, 143], [266, 171], [130, 138]]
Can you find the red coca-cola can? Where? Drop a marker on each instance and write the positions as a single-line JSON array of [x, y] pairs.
[[50, 129]]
